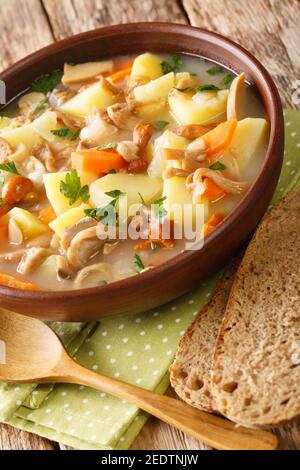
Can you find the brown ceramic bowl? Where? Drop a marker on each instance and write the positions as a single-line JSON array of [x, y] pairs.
[[188, 269]]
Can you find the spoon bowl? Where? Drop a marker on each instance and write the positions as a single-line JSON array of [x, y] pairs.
[[33, 353]]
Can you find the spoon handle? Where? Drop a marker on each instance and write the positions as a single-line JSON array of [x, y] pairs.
[[213, 430]]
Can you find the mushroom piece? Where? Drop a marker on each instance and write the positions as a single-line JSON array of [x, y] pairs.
[[32, 259], [128, 150], [55, 242], [63, 269], [97, 129], [15, 235], [20, 154], [72, 122], [122, 117], [43, 152], [235, 96], [171, 171], [83, 246], [94, 275], [110, 247], [42, 241], [5, 150], [73, 230], [193, 131], [229, 186], [34, 170]]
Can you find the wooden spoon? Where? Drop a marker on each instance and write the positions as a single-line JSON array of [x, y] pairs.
[[35, 354]]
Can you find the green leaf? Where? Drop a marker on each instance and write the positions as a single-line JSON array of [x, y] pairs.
[[72, 190], [47, 83], [143, 200], [215, 70], [227, 80], [218, 166], [115, 194], [66, 133], [160, 125], [201, 60], [1, 201], [41, 106], [199, 88], [112, 145], [174, 65], [138, 264], [10, 167], [158, 207], [2, 181], [112, 172]]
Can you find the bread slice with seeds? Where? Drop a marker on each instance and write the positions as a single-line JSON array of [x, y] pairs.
[[256, 366], [190, 372]]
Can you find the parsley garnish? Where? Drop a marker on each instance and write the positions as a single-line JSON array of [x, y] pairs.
[[173, 66], [227, 80], [72, 190], [107, 212], [160, 125], [158, 207], [1, 201], [199, 88], [215, 70], [2, 181], [112, 145], [217, 166], [138, 264], [10, 167], [47, 83], [66, 133], [41, 106]]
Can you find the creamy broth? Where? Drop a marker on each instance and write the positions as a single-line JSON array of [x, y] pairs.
[[156, 130]]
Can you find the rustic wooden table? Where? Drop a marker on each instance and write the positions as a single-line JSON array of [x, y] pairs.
[[268, 28]]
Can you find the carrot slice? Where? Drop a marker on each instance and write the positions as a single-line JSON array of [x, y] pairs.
[[47, 215], [98, 161], [212, 190], [219, 138], [211, 224], [119, 76], [11, 281]]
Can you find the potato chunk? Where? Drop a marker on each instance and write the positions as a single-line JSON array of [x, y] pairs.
[[29, 224], [57, 200], [167, 140], [146, 66], [68, 218], [82, 72], [202, 108], [21, 135], [156, 90]]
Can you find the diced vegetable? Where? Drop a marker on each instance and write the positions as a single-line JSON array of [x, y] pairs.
[[95, 96], [11, 281], [211, 224], [212, 191], [83, 72], [250, 134], [177, 194], [47, 215], [29, 224], [202, 108], [150, 111], [44, 124], [219, 138], [15, 189], [146, 66], [58, 201], [131, 185], [21, 135], [98, 161], [167, 140], [47, 270], [156, 89], [68, 218], [4, 121], [120, 75]]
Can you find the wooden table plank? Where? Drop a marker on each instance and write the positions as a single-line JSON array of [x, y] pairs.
[[268, 28]]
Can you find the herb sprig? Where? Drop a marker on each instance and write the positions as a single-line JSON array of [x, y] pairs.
[[71, 188], [106, 213], [66, 133], [174, 65], [111, 145], [41, 106], [199, 88], [227, 80], [138, 263], [47, 83], [10, 167], [160, 125], [158, 208], [215, 70], [218, 166]]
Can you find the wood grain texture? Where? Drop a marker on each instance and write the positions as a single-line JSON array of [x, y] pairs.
[[269, 28]]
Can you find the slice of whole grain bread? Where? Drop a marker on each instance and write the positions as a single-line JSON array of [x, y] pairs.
[[256, 366], [190, 372]]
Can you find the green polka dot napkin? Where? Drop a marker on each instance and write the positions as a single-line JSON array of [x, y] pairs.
[[137, 349]]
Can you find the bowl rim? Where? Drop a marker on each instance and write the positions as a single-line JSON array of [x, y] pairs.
[[275, 119]]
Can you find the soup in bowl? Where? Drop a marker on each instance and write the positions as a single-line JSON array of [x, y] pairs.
[[112, 168]]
